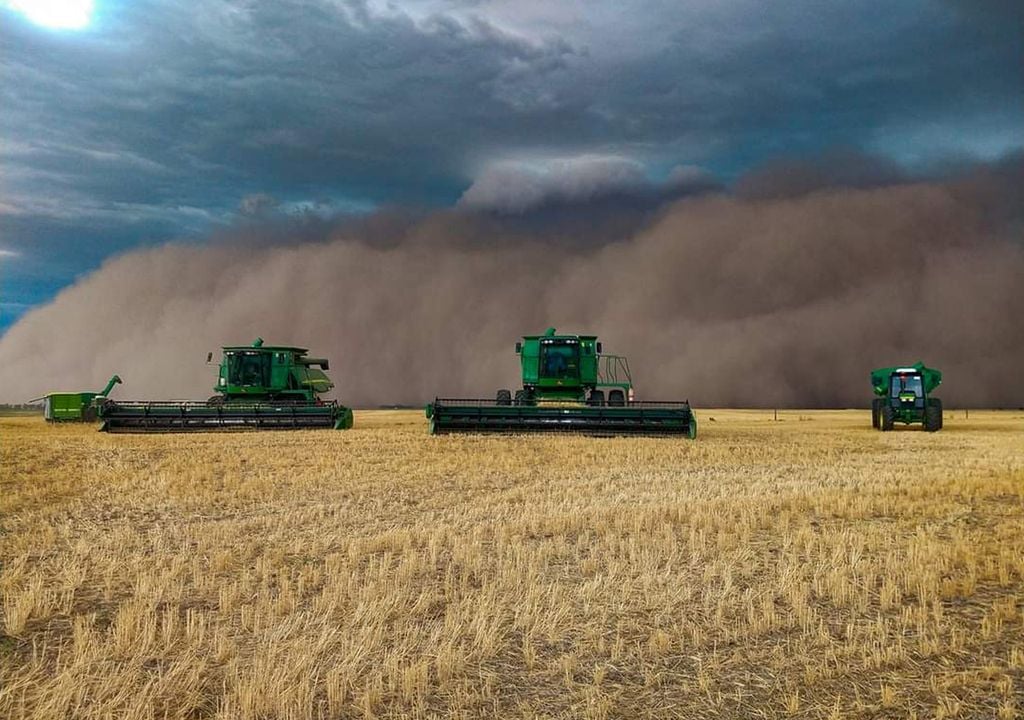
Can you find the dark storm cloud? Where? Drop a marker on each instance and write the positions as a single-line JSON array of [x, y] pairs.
[[164, 117]]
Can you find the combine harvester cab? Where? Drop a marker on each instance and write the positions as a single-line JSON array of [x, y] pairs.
[[903, 394], [568, 386], [259, 388], [75, 406]]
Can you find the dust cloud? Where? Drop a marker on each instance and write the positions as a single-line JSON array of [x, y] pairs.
[[757, 298]]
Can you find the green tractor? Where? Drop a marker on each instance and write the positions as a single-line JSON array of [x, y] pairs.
[[904, 396], [74, 406], [568, 385], [259, 387]]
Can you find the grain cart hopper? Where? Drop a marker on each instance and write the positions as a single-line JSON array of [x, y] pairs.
[[568, 385], [904, 395], [74, 406], [259, 387]]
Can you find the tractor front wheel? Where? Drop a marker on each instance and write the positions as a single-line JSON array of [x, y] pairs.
[[933, 415], [504, 397], [888, 418], [596, 398], [876, 413], [616, 398]]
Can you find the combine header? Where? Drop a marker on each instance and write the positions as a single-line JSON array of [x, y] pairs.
[[565, 381], [259, 388], [903, 395]]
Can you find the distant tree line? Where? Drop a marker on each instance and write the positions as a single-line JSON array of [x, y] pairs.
[[21, 407]]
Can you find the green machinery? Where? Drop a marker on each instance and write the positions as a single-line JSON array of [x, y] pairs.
[[903, 394], [568, 385], [259, 387], [74, 406]]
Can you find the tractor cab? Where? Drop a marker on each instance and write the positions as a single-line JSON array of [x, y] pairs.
[[560, 359], [248, 368], [906, 386]]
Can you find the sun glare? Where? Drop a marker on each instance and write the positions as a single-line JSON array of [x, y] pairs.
[[61, 14]]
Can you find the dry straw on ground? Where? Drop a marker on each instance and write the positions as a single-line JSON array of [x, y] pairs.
[[804, 568]]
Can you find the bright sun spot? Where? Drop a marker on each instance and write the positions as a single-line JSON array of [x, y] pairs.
[[63, 14]]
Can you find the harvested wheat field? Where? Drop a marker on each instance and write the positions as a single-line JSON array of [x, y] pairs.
[[810, 567]]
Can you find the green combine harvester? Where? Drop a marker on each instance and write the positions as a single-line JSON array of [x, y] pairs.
[[74, 406], [259, 387], [904, 396], [568, 386]]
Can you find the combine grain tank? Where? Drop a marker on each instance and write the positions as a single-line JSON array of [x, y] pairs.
[[259, 387], [903, 394], [568, 386]]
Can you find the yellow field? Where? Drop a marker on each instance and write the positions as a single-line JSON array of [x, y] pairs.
[[810, 567]]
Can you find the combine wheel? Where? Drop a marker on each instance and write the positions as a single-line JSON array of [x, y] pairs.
[[521, 398], [616, 398], [876, 413], [933, 415], [504, 398], [888, 417], [596, 398]]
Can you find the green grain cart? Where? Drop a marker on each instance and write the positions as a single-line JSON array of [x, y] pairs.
[[74, 406], [903, 394], [568, 385], [259, 387]]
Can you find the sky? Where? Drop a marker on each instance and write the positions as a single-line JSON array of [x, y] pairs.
[[125, 125]]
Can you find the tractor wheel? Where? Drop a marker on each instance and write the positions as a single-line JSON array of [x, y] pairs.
[[888, 418], [876, 413], [596, 398], [504, 398], [616, 398], [933, 415], [520, 398]]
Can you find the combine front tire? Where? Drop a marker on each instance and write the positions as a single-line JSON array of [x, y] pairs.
[[888, 418], [876, 413], [596, 398], [504, 398], [933, 415], [616, 398]]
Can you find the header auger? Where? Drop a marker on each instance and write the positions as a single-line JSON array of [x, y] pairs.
[[904, 395], [259, 387], [569, 385]]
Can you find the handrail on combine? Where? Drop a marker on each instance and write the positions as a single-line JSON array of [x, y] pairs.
[[613, 370]]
